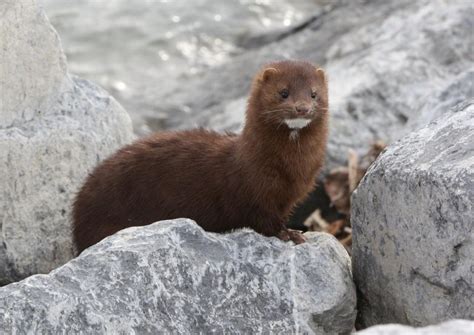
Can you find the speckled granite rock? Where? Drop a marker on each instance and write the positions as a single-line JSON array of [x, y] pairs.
[[413, 227], [172, 277], [388, 64], [454, 327], [53, 129]]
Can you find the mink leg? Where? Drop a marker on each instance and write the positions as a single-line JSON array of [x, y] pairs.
[[275, 227], [271, 226]]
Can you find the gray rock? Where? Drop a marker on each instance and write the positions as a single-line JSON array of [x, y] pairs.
[[388, 63], [32, 67], [413, 227], [454, 327], [53, 129], [172, 277]]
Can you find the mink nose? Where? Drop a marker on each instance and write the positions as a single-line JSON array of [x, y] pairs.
[[302, 110]]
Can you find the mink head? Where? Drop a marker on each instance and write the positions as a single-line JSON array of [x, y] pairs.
[[291, 94]]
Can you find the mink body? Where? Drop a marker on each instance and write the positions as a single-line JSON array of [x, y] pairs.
[[222, 181]]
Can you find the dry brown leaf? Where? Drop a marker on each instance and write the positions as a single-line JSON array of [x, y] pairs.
[[335, 227], [336, 186], [347, 241], [315, 222], [370, 157], [353, 170], [339, 185]]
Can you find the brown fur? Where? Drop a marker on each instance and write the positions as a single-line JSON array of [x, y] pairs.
[[223, 182]]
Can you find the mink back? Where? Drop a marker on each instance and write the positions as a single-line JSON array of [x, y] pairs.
[[189, 174]]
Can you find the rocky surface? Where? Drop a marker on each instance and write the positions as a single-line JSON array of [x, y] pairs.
[[172, 277], [53, 129], [455, 327], [413, 233], [385, 66]]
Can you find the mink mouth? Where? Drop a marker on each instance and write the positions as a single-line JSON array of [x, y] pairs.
[[297, 123]]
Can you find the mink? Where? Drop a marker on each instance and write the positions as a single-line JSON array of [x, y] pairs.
[[222, 181]]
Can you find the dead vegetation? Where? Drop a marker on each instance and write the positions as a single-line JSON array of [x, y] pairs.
[[339, 185]]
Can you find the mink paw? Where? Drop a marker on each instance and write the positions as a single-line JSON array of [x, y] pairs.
[[296, 236], [293, 235], [284, 235]]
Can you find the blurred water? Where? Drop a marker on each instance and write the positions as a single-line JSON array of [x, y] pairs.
[[133, 48]]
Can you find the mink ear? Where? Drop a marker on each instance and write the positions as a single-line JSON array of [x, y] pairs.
[[268, 73], [321, 74]]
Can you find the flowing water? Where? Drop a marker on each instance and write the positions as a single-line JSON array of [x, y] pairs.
[[134, 48]]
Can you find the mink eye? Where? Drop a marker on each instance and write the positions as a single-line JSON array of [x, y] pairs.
[[284, 93], [313, 95]]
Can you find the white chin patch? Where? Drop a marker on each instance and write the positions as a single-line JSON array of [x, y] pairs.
[[297, 123]]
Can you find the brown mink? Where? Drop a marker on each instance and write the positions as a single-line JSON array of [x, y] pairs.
[[222, 181]]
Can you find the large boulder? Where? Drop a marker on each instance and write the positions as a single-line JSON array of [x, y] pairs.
[[53, 129], [388, 63], [413, 226], [454, 327], [173, 277]]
